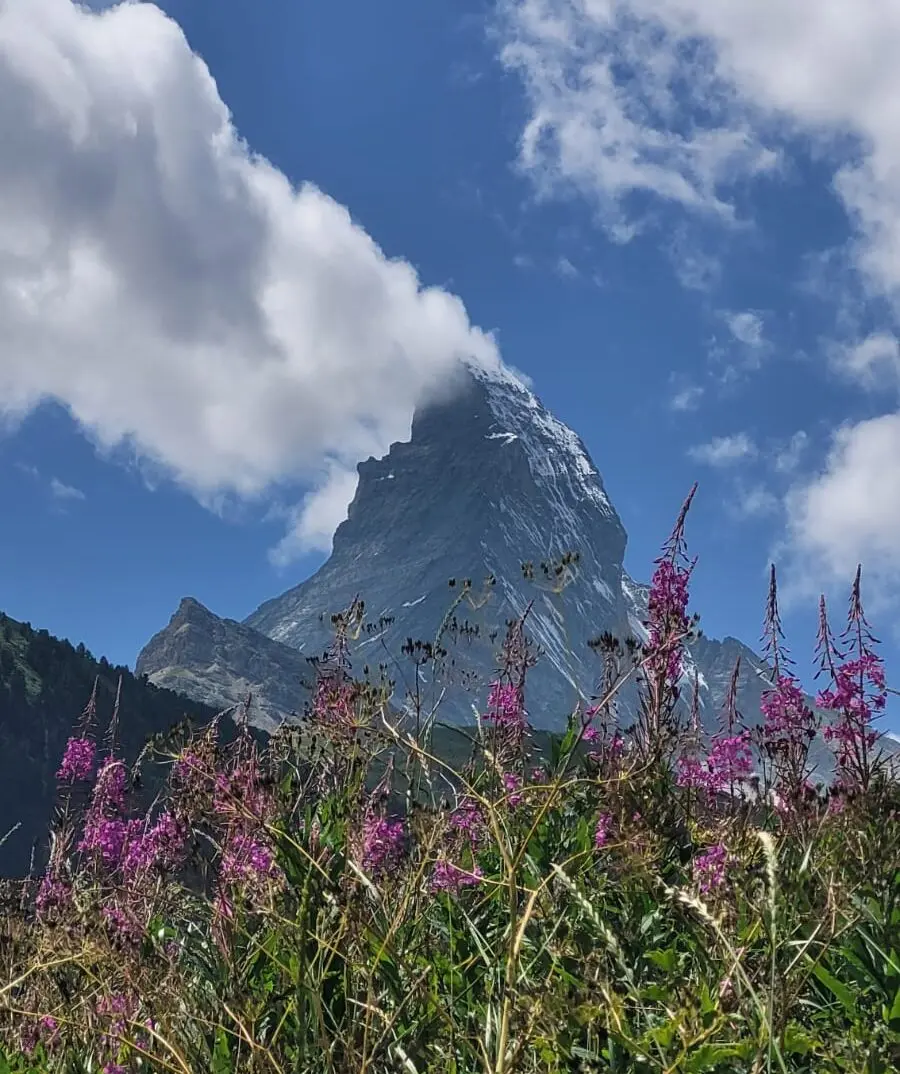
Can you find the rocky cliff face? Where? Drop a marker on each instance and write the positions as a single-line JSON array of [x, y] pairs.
[[219, 661], [489, 479]]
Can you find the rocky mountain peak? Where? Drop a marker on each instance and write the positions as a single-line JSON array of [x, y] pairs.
[[489, 479]]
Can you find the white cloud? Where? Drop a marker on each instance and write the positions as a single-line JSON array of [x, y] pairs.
[[874, 361], [756, 501], [177, 294], [850, 512], [747, 328], [675, 99], [724, 450], [687, 398], [607, 109], [678, 97], [566, 269], [788, 457], [312, 525], [62, 491]]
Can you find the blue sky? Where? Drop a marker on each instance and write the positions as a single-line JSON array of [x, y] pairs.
[[679, 220]]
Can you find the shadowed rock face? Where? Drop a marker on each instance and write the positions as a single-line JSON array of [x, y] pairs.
[[219, 661], [488, 479]]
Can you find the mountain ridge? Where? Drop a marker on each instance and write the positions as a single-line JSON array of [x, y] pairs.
[[488, 479]]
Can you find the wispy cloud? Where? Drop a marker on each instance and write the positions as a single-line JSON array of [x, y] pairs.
[[755, 501], [788, 456], [687, 398], [724, 451], [873, 362], [566, 269], [61, 491], [747, 328]]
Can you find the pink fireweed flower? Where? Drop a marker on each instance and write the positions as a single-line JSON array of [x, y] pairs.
[[245, 857], [506, 706], [602, 830], [53, 894], [451, 878], [468, 819], [122, 925], [511, 784], [78, 761], [108, 837], [857, 694], [538, 775], [729, 761], [111, 786], [191, 771], [383, 843], [667, 620], [48, 1031], [334, 707], [710, 868]]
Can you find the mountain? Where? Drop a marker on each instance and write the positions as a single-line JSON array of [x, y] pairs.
[[219, 661], [488, 479], [44, 685]]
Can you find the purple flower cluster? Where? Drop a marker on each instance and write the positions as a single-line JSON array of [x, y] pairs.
[[78, 761], [108, 837], [506, 713], [603, 830], [468, 819], [451, 878], [512, 784], [383, 843], [246, 861], [857, 693], [710, 868], [123, 924], [856, 704], [668, 620], [53, 894], [729, 760]]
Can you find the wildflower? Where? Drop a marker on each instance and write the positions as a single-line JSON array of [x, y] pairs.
[[468, 819], [108, 837], [602, 831], [789, 725], [162, 846], [122, 924], [728, 761], [668, 622], [245, 859], [538, 775], [449, 877], [512, 783], [709, 868], [190, 770], [53, 894], [383, 843], [857, 694], [78, 761], [506, 707]]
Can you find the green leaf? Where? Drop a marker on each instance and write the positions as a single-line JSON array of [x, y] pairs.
[[666, 960], [221, 1057], [839, 990], [797, 1041], [709, 1056]]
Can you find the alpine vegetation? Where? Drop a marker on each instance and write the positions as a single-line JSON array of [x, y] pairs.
[[366, 892]]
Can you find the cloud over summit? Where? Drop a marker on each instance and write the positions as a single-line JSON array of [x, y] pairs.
[[178, 294]]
